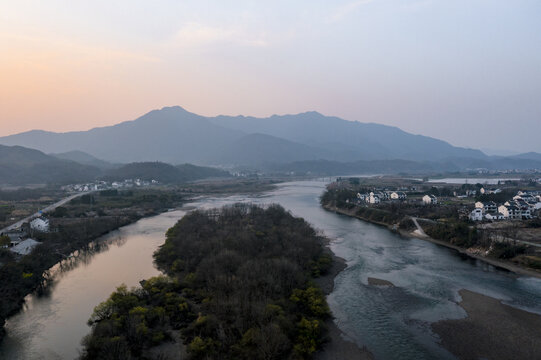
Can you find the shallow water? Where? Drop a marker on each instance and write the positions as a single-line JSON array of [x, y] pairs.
[[393, 322]]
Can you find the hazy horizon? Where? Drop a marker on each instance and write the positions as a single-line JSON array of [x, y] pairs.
[[463, 71]]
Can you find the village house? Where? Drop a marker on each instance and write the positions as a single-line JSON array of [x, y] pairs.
[[430, 200], [489, 191], [362, 197], [374, 198], [495, 216], [25, 247], [476, 214], [40, 224], [510, 212], [488, 206], [398, 195]]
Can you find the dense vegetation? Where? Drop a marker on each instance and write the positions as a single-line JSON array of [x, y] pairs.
[[162, 172], [238, 287]]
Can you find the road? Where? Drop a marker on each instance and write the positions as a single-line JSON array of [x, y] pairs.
[[19, 223], [419, 230]]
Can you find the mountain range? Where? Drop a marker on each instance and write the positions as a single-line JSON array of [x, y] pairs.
[[174, 135]]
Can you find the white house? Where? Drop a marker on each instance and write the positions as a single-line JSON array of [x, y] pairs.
[[430, 200], [374, 198], [476, 214], [25, 247], [398, 195], [362, 197], [488, 206], [510, 212], [496, 216], [490, 191], [40, 224]]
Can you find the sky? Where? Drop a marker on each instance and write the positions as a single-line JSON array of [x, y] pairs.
[[465, 71]]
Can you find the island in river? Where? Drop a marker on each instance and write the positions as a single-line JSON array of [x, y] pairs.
[[240, 284]]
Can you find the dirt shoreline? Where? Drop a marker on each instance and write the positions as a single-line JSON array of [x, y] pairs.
[[339, 346], [496, 263], [379, 282], [492, 330]]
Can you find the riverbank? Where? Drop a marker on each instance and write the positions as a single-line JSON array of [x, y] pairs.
[[506, 265], [491, 330], [339, 345], [74, 226]]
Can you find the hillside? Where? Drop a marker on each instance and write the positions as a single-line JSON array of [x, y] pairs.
[[19, 165], [84, 158], [257, 149], [162, 172]]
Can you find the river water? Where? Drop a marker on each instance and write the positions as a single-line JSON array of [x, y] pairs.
[[393, 322]]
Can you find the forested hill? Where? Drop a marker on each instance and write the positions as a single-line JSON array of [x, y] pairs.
[[19, 166], [239, 286]]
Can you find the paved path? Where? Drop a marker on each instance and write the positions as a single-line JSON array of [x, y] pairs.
[[49, 208], [419, 230]]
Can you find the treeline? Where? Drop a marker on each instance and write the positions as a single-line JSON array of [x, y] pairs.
[[162, 172], [238, 286]]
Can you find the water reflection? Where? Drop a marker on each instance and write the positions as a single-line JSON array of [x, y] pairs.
[[51, 326], [77, 258]]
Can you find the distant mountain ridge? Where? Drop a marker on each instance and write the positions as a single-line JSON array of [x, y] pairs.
[[162, 172], [23, 166], [174, 135], [19, 165], [84, 158]]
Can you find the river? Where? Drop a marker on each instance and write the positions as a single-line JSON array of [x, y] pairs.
[[393, 322]]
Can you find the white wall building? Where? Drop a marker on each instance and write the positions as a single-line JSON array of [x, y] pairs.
[[430, 200], [40, 224], [374, 198], [476, 215], [398, 195]]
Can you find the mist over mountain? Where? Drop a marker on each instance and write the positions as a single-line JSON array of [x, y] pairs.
[[174, 135], [23, 166], [19, 165], [162, 172], [84, 158]]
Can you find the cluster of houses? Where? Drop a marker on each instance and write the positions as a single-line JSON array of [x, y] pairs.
[[523, 206], [104, 185], [95, 186], [375, 197], [129, 183], [19, 241]]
